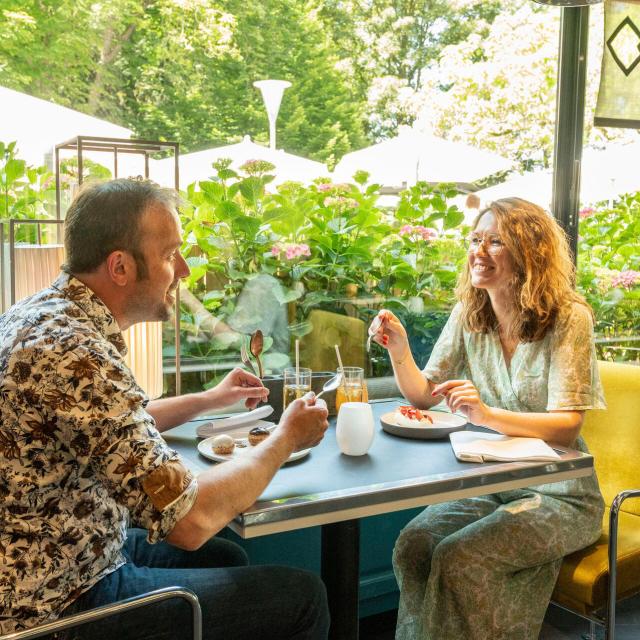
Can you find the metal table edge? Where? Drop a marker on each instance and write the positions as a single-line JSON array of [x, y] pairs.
[[305, 506]]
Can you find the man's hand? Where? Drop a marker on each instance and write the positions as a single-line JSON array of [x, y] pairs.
[[304, 422], [238, 385]]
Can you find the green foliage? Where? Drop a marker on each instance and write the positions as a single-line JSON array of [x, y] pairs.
[[25, 192], [386, 47], [184, 69], [186, 73], [318, 241], [609, 268]]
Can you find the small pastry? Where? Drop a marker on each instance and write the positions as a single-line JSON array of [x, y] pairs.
[[223, 445], [411, 417], [257, 435]]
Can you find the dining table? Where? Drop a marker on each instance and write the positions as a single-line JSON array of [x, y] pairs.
[[332, 490]]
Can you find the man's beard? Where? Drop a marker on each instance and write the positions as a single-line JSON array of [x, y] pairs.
[[144, 308]]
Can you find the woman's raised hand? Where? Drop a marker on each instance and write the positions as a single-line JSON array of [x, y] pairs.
[[388, 331]]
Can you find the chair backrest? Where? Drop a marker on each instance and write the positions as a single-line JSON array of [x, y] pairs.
[[328, 329], [613, 435]]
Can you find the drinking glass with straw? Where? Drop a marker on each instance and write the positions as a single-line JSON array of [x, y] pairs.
[[297, 380], [353, 387]]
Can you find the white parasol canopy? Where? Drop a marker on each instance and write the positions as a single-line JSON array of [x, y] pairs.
[[197, 165], [38, 125], [605, 174], [412, 156]]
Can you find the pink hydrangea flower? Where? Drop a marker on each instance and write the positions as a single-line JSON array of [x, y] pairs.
[[625, 279], [426, 233], [291, 250], [325, 186], [341, 202], [586, 212]]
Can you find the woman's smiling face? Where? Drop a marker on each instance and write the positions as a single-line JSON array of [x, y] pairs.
[[490, 262]]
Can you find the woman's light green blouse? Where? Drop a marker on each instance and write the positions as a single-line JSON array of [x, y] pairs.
[[555, 373]]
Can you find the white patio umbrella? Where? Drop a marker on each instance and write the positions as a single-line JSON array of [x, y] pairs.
[[605, 174], [412, 156], [197, 165], [37, 125], [535, 186]]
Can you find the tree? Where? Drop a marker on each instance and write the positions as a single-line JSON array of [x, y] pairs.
[[196, 84], [48, 48], [497, 88], [183, 69], [386, 46]]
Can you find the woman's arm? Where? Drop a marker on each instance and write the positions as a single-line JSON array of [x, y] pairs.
[[388, 332], [561, 427], [412, 383]]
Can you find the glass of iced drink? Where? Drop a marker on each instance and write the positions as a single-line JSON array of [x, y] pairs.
[[296, 384], [354, 388]]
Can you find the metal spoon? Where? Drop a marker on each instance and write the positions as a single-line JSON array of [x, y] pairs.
[[331, 384], [255, 346]]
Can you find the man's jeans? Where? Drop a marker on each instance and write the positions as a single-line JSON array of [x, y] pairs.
[[238, 601]]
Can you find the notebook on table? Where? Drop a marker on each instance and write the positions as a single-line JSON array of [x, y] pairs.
[[471, 446]]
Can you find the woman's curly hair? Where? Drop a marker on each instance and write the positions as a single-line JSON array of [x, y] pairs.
[[544, 273]]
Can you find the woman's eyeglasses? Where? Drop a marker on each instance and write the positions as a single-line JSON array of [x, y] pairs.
[[491, 243]]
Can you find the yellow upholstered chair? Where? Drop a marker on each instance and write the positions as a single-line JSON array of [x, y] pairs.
[[613, 437], [327, 330]]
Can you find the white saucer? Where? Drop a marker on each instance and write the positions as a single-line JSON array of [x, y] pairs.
[[204, 447]]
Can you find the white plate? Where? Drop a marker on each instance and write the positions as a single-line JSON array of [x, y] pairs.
[[204, 447], [223, 425], [443, 425]]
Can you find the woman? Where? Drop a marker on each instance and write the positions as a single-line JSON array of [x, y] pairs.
[[516, 355]]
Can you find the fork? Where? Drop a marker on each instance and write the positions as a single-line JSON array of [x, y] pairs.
[[246, 361]]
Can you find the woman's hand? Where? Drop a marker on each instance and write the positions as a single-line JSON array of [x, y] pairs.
[[388, 331], [238, 384], [462, 395]]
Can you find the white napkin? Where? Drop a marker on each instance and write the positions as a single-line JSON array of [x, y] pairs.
[[248, 420], [471, 446]]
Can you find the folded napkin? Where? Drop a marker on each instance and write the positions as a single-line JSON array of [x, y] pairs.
[[471, 446], [248, 420]]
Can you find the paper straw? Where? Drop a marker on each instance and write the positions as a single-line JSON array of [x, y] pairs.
[[344, 380], [297, 364]]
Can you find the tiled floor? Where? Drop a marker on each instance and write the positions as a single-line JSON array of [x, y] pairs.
[[558, 624]]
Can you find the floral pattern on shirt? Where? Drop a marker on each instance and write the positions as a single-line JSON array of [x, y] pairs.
[[76, 447]]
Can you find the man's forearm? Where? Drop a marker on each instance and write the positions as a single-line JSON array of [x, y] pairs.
[[170, 412], [228, 489]]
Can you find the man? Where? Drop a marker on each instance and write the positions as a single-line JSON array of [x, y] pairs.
[[81, 455]]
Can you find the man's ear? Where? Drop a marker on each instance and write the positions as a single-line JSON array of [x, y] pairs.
[[121, 268]]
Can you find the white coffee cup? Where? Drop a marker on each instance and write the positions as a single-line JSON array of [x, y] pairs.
[[355, 430]]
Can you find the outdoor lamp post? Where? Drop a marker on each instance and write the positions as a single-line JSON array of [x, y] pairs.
[[272, 91]]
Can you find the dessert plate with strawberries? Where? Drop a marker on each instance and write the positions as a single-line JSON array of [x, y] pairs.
[[409, 422]]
